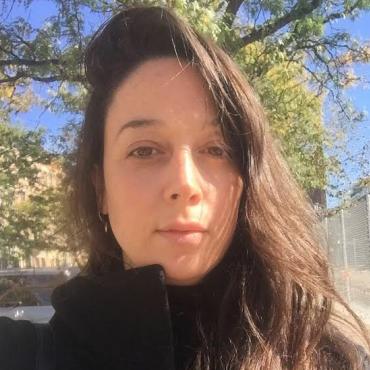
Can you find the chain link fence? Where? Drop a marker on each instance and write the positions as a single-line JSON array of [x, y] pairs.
[[348, 235]]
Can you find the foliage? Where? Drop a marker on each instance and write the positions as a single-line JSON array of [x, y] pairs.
[[294, 112], [26, 204], [365, 182]]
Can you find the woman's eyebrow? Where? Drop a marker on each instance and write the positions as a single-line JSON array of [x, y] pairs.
[[137, 123], [148, 122]]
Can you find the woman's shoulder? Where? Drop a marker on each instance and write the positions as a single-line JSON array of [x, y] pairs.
[[13, 331], [17, 344], [25, 345]]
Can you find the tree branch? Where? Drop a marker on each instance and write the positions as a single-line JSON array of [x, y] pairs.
[[270, 27], [45, 79], [20, 75], [28, 62], [11, 79], [231, 10], [339, 15]]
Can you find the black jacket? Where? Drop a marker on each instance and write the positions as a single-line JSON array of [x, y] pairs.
[[118, 321], [125, 320]]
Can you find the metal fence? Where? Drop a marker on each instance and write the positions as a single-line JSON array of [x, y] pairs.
[[348, 235]]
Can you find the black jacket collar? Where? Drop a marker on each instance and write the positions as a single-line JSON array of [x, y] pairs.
[[115, 319]]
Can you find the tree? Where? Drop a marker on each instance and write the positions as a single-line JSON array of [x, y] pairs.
[[294, 111], [33, 215], [20, 153]]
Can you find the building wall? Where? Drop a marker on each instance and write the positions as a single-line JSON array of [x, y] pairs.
[[41, 259]]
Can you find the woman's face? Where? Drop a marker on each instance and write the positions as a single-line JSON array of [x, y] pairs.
[[170, 189]]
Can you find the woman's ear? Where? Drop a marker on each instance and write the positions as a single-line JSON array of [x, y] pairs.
[[97, 179]]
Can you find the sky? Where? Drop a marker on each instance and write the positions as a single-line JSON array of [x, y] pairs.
[[360, 95]]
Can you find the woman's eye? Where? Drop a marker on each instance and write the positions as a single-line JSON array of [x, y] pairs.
[[143, 152], [147, 152], [216, 151]]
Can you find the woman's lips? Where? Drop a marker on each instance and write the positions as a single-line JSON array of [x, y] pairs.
[[182, 237]]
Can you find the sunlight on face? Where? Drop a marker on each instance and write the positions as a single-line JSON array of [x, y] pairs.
[[170, 189]]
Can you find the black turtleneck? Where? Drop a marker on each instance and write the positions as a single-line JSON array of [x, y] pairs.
[[184, 302], [188, 304]]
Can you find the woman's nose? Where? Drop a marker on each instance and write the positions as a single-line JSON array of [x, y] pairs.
[[183, 178]]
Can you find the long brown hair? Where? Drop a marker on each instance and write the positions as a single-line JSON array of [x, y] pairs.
[[281, 285]]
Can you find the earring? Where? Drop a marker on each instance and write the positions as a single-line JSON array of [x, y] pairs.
[[104, 222]]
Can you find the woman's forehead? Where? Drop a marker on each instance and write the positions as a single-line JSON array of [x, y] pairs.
[[160, 91], [163, 76]]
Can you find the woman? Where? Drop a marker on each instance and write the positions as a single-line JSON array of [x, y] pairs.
[[203, 251]]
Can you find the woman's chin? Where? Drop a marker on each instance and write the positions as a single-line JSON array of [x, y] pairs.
[[182, 275], [182, 280], [178, 271]]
